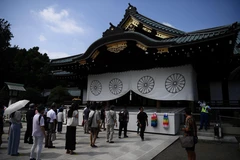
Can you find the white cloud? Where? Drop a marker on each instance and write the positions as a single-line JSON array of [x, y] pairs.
[[55, 55], [168, 24], [42, 38], [60, 22]]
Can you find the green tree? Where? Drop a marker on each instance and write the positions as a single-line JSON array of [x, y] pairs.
[[33, 95], [5, 37], [5, 34], [58, 95]]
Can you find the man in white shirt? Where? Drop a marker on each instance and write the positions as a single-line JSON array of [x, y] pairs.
[[51, 118], [111, 120], [38, 133]]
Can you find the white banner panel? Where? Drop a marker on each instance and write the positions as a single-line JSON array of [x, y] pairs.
[[175, 83]]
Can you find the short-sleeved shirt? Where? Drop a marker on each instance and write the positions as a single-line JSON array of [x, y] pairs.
[[37, 131], [95, 119], [60, 117], [52, 115], [191, 125], [110, 117], [142, 117], [86, 113]]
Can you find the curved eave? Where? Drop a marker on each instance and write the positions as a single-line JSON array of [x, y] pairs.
[[125, 36], [65, 60]]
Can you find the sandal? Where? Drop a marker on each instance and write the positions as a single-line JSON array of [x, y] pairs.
[[71, 152]]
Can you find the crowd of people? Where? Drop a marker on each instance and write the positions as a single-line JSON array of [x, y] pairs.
[[44, 123]]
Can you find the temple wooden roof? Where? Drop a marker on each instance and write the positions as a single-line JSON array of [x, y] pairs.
[[137, 34]]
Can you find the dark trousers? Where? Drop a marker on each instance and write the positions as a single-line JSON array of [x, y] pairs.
[[59, 127], [123, 125], [51, 130], [204, 120], [28, 134], [142, 130]]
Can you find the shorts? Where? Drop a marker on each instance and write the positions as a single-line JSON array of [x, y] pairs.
[[94, 130], [191, 148]]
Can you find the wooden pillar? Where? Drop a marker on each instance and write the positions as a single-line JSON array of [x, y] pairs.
[[225, 92], [191, 105], [158, 105], [108, 104]]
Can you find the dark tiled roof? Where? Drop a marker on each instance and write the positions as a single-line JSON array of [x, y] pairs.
[[200, 35], [66, 59], [158, 26], [237, 45]]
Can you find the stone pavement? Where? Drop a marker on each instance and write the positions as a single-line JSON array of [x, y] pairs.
[[131, 148]]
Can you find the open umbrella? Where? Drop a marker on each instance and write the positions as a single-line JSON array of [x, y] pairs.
[[16, 106]]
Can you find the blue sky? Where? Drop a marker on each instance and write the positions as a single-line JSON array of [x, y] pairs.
[[63, 28]]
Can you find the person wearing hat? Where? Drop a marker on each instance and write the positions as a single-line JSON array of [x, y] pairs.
[[38, 133], [29, 116]]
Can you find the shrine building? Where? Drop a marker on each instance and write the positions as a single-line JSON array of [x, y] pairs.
[[141, 62]]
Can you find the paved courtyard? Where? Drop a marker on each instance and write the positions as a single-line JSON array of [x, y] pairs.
[[131, 148]]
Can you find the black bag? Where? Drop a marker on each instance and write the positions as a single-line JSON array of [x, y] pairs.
[[90, 120], [187, 141], [46, 121]]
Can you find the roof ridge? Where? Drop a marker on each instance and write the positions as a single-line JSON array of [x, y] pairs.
[[159, 23], [206, 30], [74, 56]]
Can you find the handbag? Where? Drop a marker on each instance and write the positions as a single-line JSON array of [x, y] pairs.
[[53, 136], [90, 119], [72, 121], [187, 141]]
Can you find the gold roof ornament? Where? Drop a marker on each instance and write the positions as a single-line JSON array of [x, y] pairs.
[[95, 54], [147, 29], [141, 46], [163, 50], [117, 47], [82, 62], [131, 24], [162, 35]]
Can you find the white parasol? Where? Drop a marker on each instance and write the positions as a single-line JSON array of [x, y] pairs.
[[16, 106]]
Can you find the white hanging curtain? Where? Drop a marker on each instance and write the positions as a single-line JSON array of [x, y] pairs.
[[175, 83]]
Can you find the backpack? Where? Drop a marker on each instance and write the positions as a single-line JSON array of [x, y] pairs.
[[121, 116], [45, 121]]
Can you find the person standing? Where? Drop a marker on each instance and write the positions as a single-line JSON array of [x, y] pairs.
[[190, 130], [142, 121], [51, 118], [38, 133], [29, 116], [123, 120], [1, 122], [103, 117], [14, 135], [60, 120], [111, 120], [70, 144], [204, 116], [85, 118], [94, 117]]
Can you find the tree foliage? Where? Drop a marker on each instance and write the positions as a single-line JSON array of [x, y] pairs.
[[58, 95], [33, 95], [28, 67], [5, 34]]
